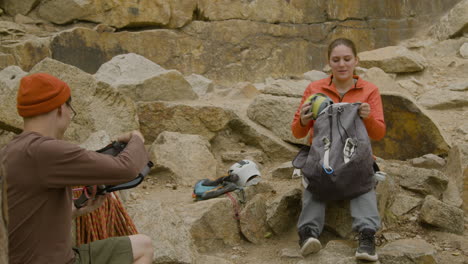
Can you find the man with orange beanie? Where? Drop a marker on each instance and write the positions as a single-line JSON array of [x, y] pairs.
[[40, 169]]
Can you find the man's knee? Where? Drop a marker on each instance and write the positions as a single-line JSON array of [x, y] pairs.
[[141, 245]]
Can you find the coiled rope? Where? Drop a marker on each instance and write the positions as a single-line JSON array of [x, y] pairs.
[[109, 220]]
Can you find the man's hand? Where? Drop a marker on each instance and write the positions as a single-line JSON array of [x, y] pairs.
[[127, 136], [364, 110], [94, 202], [306, 115]]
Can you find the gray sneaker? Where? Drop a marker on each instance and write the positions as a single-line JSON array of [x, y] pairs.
[[308, 242], [366, 249]]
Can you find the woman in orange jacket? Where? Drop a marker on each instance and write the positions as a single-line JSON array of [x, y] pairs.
[[341, 86]]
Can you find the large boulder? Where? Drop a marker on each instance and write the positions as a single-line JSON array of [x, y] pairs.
[[99, 106], [10, 79], [200, 85], [96, 141], [454, 172], [5, 137], [228, 130], [283, 211], [383, 81], [386, 191], [28, 52], [443, 99], [206, 259], [6, 60], [314, 75], [439, 214], [284, 171], [338, 218], [144, 80], [276, 114], [253, 220], [188, 157], [211, 224], [171, 237], [201, 119], [393, 59], [410, 133], [13, 7], [288, 88], [419, 180], [404, 203], [408, 251], [334, 252], [453, 24]]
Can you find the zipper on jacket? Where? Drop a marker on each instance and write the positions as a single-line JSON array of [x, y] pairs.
[[354, 87]]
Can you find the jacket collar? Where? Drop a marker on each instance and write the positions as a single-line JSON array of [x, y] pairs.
[[359, 84]]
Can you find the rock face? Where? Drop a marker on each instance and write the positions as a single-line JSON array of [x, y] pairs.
[[174, 13], [237, 47], [271, 36], [144, 80], [188, 157], [410, 131], [209, 48]]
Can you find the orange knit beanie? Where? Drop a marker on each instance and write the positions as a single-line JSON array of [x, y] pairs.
[[40, 93]]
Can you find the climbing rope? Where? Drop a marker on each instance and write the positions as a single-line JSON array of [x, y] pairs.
[[109, 220], [235, 206]]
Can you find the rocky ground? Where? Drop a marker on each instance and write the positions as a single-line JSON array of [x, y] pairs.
[[197, 128]]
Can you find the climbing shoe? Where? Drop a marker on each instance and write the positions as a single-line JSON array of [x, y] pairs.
[[308, 242], [366, 249]]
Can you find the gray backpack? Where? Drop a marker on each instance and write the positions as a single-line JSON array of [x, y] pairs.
[[339, 163]]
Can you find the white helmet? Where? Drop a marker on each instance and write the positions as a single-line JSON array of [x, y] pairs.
[[247, 171]]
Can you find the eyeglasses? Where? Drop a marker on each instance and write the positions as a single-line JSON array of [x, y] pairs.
[[73, 110]]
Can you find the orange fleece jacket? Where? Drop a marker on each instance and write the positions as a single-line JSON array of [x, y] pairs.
[[363, 91]]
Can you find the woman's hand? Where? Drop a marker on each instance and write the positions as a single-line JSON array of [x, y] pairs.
[[306, 115], [364, 110]]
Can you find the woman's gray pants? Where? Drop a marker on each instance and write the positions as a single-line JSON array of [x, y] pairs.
[[363, 211]]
